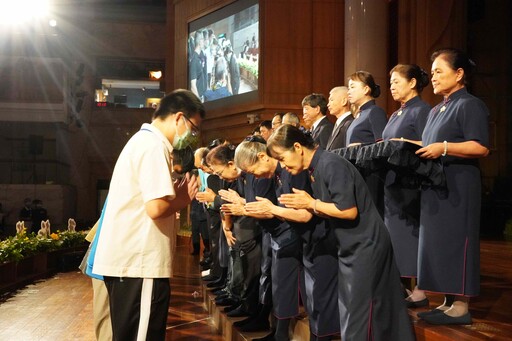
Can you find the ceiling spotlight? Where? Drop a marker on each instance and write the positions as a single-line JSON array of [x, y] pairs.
[[52, 22]]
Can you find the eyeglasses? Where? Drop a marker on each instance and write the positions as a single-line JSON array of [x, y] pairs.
[[195, 129], [220, 173]]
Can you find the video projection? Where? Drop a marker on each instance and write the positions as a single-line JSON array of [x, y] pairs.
[[223, 52]]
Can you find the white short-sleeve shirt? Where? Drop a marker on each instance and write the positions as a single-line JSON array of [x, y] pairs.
[[131, 244]]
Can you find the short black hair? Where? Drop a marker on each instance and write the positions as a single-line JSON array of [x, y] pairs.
[[267, 124], [316, 100], [180, 100]]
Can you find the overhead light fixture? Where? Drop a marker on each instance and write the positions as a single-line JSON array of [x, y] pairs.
[[52, 23], [155, 74], [17, 12]]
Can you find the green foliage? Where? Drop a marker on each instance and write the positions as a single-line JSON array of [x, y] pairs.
[[250, 66], [23, 245]]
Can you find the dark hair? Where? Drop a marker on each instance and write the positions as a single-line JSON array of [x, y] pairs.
[[316, 100], [221, 155], [220, 69], [286, 135], [267, 124], [410, 71], [367, 79], [183, 160], [179, 100], [198, 35], [256, 130], [255, 138], [280, 114], [457, 59], [216, 143]]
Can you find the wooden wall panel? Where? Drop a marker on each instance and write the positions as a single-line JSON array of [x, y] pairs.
[[301, 44]]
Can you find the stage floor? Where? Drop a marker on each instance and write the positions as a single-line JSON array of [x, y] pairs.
[[60, 307]]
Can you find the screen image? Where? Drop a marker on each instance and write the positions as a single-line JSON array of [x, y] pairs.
[[223, 52]]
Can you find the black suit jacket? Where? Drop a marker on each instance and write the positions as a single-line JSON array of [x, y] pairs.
[[323, 132], [339, 135]]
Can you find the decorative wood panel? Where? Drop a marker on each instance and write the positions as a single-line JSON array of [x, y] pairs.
[[301, 44]]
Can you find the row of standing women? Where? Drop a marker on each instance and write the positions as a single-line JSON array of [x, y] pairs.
[[327, 238]]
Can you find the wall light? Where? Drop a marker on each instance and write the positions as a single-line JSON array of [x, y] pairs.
[[155, 74]]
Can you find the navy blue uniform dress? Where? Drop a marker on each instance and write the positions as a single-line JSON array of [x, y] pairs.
[[319, 263], [367, 128], [286, 250], [370, 299], [247, 231], [402, 204], [449, 250]]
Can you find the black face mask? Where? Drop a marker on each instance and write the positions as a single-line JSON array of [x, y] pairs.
[[183, 160]]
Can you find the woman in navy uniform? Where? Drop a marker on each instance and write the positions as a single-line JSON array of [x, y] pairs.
[[456, 131], [243, 233], [401, 203], [367, 126], [370, 298], [287, 277]]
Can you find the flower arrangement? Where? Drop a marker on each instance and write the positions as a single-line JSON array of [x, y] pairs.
[[24, 244]]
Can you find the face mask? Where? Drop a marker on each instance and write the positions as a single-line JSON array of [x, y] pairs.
[[185, 140]]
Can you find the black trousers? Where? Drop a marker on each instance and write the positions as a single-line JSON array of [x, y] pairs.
[[199, 226], [214, 224], [266, 270], [138, 307]]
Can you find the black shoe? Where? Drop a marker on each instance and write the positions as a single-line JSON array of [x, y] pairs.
[[227, 301], [230, 308], [220, 283], [269, 337], [209, 278], [238, 312], [417, 304], [222, 296], [423, 314], [257, 325], [220, 291], [205, 261], [241, 323], [448, 320]]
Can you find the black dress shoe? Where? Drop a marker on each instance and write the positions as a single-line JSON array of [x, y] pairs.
[[220, 283], [448, 320], [417, 304], [231, 307], [220, 291], [209, 278], [241, 323], [222, 296], [227, 301], [238, 312], [269, 337], [256, 325], [422, 314], [205, 261]]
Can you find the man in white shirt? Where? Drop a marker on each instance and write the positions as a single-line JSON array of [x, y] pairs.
[[339, 106], [137, 237]]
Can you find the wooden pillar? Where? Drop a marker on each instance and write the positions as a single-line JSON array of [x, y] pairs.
[[366, 41]]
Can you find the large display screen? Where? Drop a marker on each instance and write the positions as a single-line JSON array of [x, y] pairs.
[[223, 52]]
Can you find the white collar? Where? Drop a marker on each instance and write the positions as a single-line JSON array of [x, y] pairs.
[[159, 134], [342, 117], [316, 123]]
